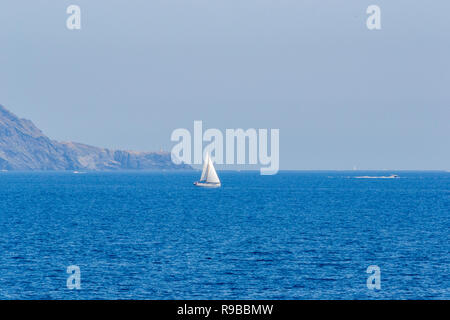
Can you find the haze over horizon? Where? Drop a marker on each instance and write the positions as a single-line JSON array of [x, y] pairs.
[[341, 95]]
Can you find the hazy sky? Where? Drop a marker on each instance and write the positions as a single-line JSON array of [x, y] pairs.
[[341, 95]]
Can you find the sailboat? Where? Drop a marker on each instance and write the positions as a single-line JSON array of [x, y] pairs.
[[209, 177]]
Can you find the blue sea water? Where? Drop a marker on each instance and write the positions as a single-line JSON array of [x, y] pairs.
[[294, 235]]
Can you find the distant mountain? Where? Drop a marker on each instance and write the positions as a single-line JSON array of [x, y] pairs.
[[24, 147]]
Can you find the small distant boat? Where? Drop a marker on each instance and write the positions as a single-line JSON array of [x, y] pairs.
[[392, 176], [209, 178]]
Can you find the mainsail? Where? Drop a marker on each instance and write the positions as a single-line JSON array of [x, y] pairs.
[[205, 168], [211, 177]]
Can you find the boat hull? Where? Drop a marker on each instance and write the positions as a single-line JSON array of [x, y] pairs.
[[207, 185]]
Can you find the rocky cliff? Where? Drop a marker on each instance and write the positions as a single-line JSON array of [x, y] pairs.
[[24, 147]]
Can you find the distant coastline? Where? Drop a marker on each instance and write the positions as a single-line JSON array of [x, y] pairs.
[[23, 147]]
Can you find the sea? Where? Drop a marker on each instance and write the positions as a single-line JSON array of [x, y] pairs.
[[293, 235]]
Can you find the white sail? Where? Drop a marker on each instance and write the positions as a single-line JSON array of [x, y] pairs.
[[211, 176], [205, 168]]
